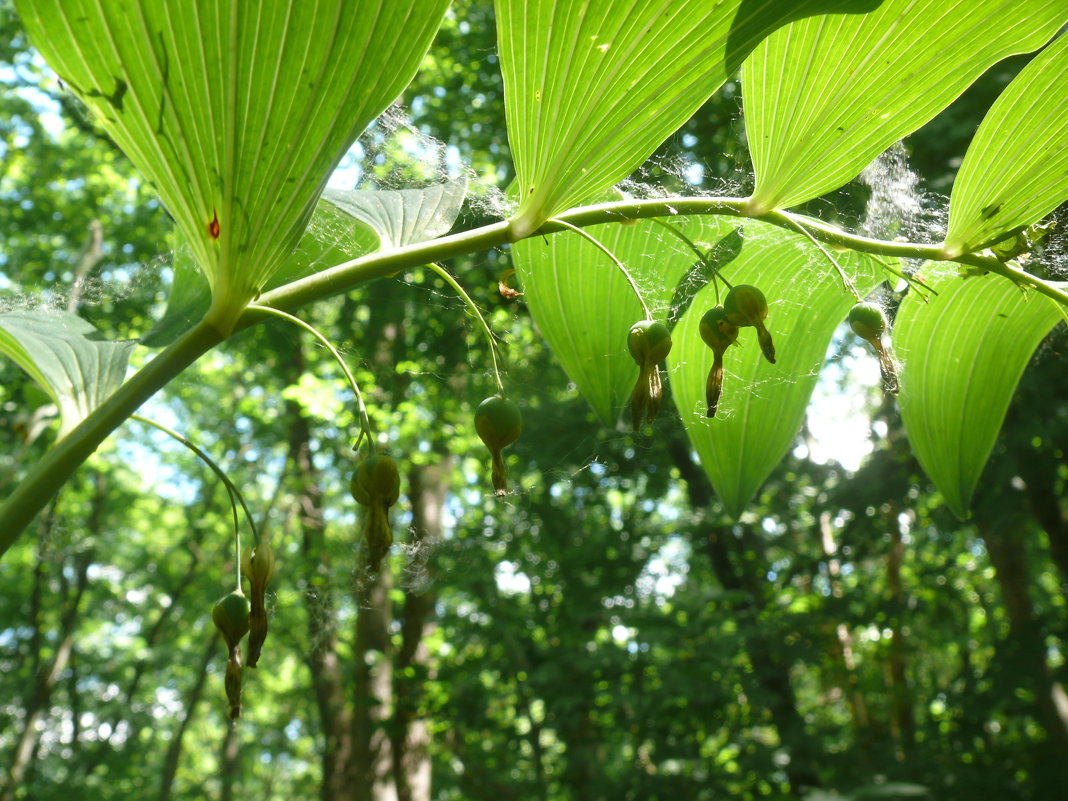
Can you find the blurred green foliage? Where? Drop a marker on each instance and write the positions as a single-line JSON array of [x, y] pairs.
[[602, 633]]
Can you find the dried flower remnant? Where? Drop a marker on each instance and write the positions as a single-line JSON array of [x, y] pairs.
[[258, 564]]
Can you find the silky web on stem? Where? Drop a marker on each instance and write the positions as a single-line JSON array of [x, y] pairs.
[[437, 268], [365, 422], [626, 273]]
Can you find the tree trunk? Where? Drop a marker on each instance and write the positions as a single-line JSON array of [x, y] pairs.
[[38, 702], [428, 488], [174, 748], [739, 565], [373, 655], [858, 707], [228, 762], [328, 681], [1004, 542], [46, 678], [902, 723], [1039, 480]]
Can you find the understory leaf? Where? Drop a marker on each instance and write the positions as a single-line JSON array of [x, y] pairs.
[[762, 405], [236, 112], [67, 357], [401, 217], [826, 95], [1016, 169], [593, 88], [963, 353]]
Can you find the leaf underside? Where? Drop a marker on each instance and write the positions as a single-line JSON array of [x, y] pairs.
[[593, 88], [963, 353], [762, 405], [401, 217], [1016, 169], [584, 308], [236, 112], [67, 357], [346, 224], [826, 95]]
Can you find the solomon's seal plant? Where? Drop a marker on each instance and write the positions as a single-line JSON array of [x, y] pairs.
[[238, 148], [499, 423]]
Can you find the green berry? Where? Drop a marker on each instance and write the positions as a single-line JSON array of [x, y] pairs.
[[745, 305], [498, 422], [376, 480], [649, 342], [867, 320], [716, 331], [231, 614]]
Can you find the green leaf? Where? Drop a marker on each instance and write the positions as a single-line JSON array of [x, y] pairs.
[[593, 88], [332, 237], [1016, 169], [346, 224], [826, 95], [584, 306], [963, 353], [67, 357], [401, 217], [762, 405], [236, 112]]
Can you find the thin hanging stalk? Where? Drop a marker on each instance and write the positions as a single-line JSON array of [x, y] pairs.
[[716, 275], [231, 488], [365, 422], [482, 320], [626, 273], [847, 282]]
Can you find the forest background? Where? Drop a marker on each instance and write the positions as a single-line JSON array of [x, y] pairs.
[[602, 632]]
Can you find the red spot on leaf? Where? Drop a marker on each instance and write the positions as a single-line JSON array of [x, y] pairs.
[[213, 226]]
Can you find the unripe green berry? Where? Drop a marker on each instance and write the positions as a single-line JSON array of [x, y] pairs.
[[716, 331], [649, 342], [231, 614], [745, 305], [867, 320], [376, 480], [498, 422]]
